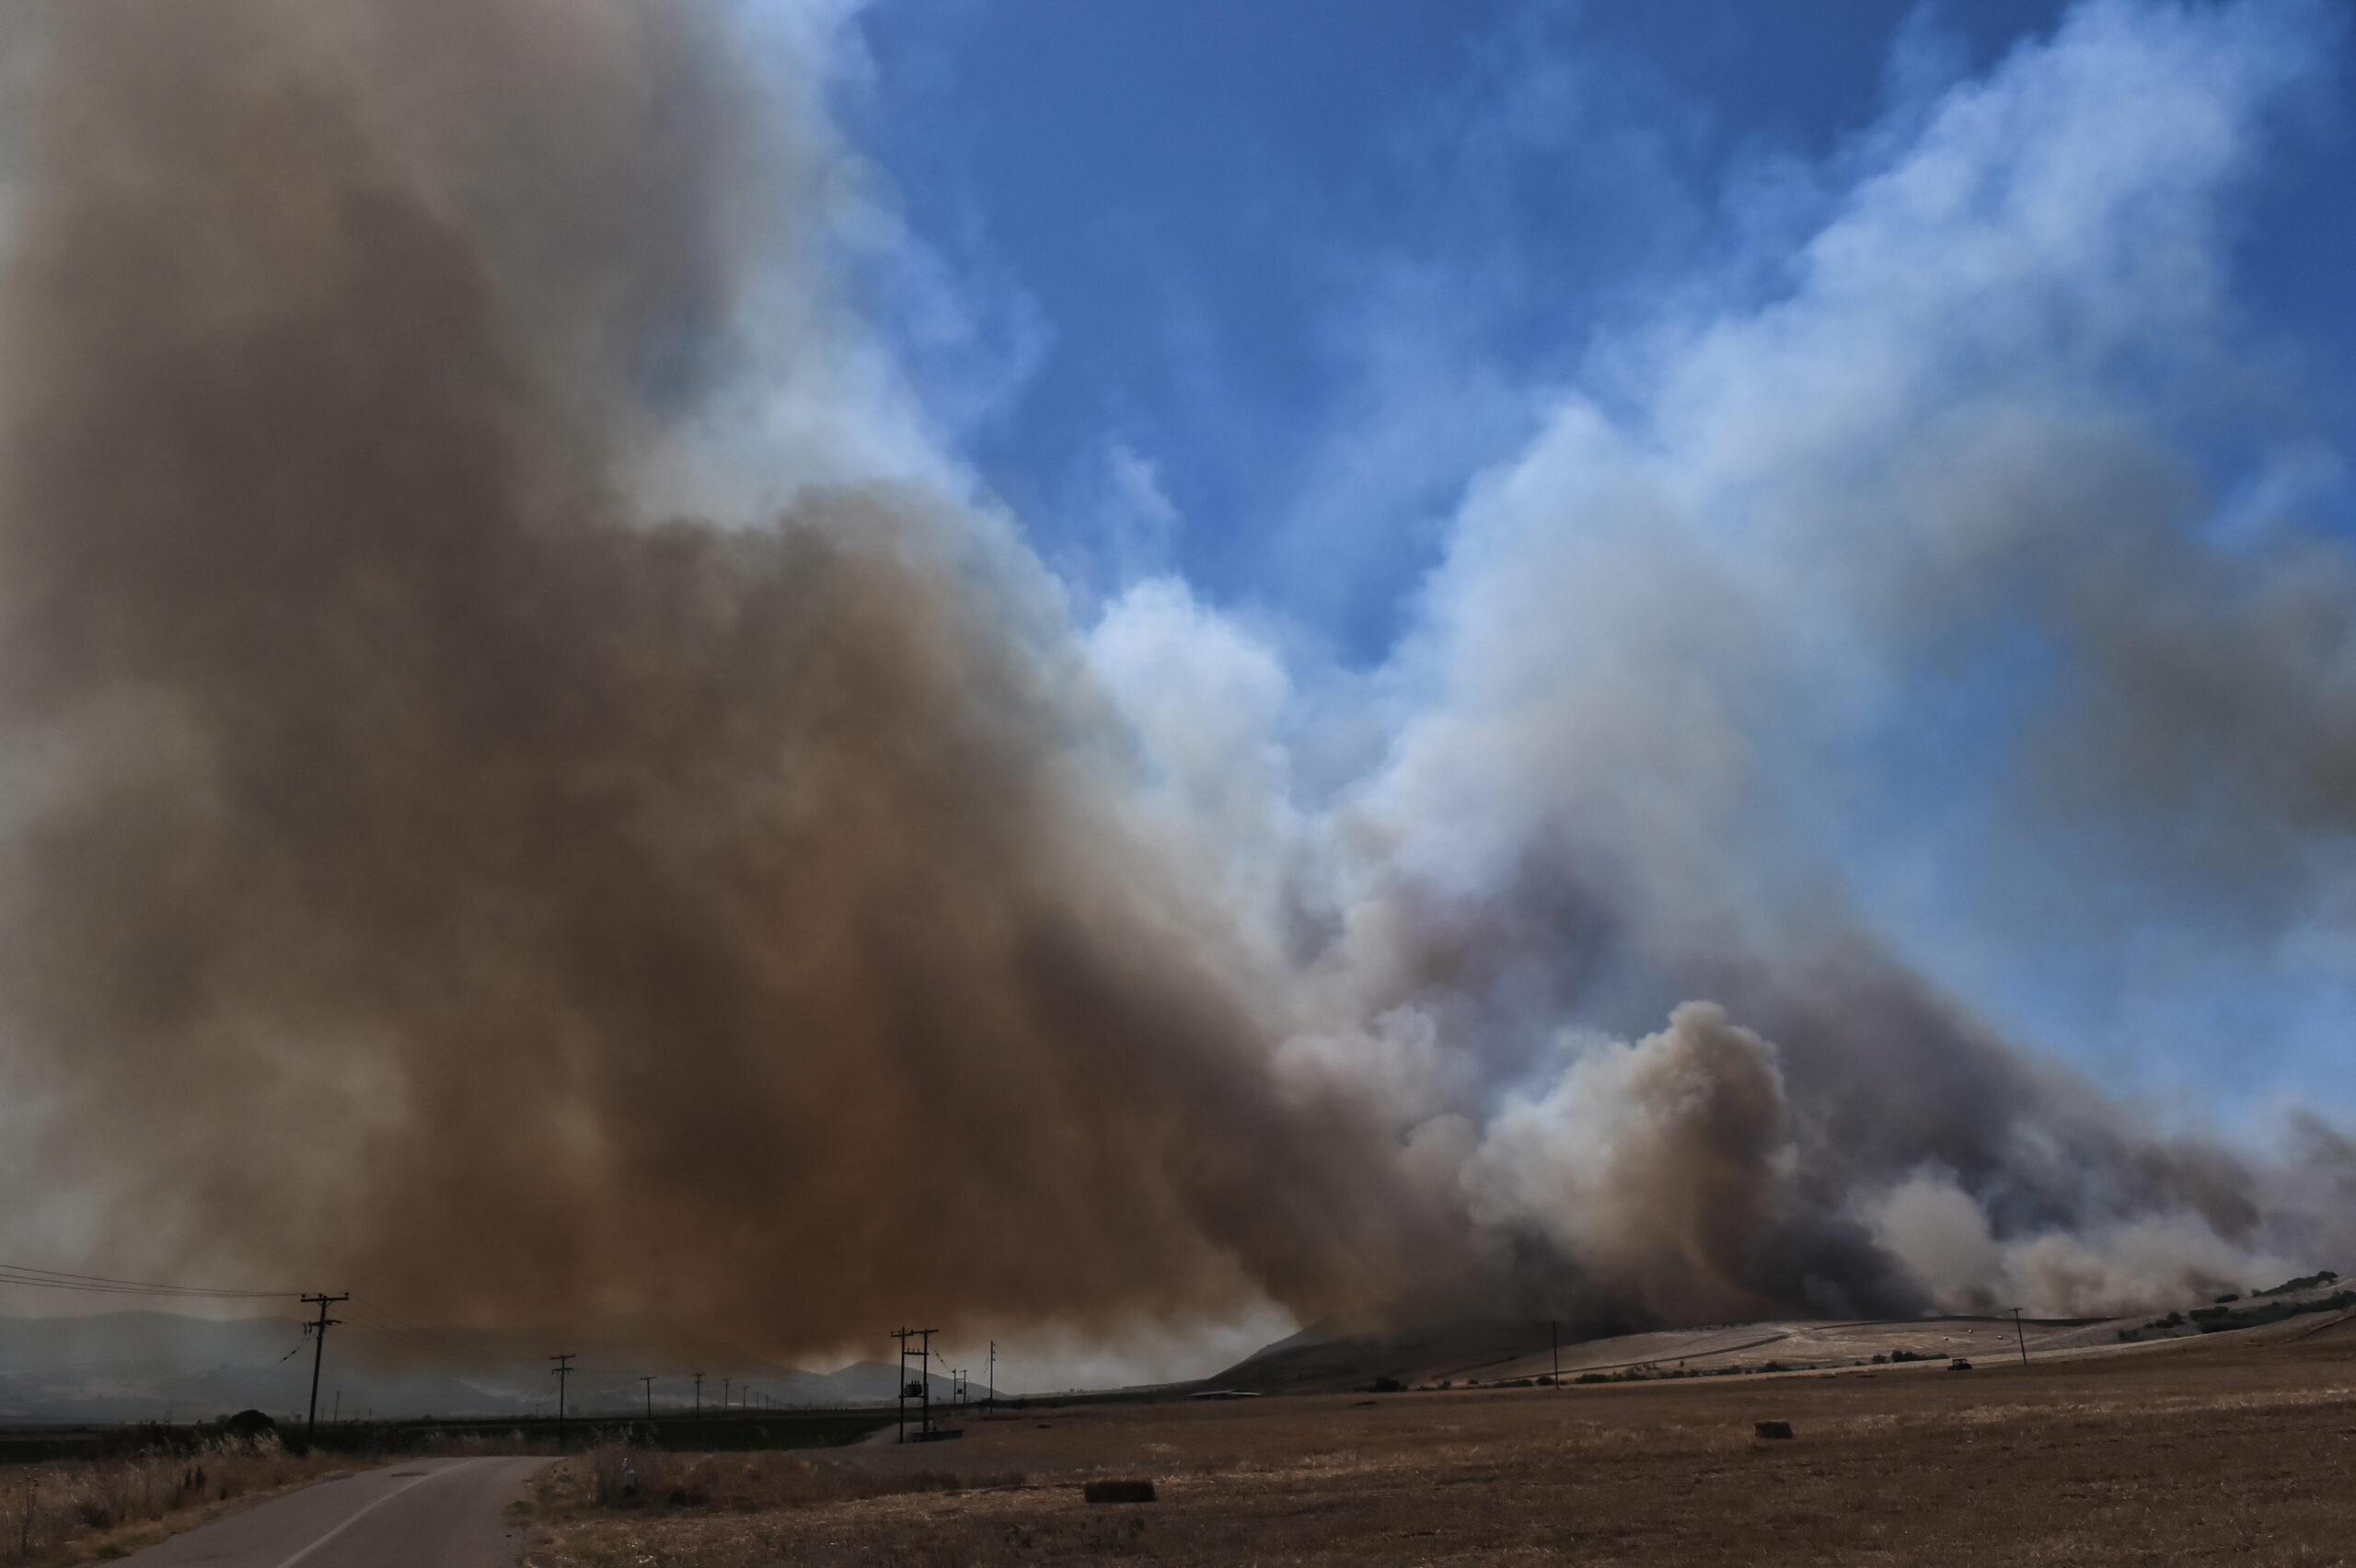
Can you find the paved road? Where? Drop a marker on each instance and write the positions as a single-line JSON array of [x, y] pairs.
[[427, 1514]]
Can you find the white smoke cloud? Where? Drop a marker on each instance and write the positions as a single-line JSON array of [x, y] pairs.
[[1733, 551]]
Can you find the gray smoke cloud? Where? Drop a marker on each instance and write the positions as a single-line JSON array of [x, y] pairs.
[[1653, 671], [532, 797]]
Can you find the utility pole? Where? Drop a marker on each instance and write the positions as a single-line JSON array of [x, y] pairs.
[[563, 1371], [319, 1347], [649, 1380], [723, 1395], [900, 1391], [2022, 1334], [924, 1374], [1554, 1338], [698, 1393], [989, 1395]]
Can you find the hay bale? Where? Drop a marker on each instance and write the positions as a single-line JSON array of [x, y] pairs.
[[1777, 1429], [1118, 1492]]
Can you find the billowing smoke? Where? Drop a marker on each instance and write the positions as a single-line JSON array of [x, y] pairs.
[[1927, 509], [432, 873], [530, 794]]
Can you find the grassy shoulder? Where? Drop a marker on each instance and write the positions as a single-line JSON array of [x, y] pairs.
[[85, 1510], [103, 1508]]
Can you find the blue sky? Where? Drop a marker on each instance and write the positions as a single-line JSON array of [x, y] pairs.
[[1255, 299], [1219, 235]]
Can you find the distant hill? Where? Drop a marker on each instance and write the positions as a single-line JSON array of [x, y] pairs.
[[157, 1366], [877, 1382], [154, 1365], [1339, 1355]]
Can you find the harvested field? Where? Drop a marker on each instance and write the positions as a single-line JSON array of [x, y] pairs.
[[2227, 1448]]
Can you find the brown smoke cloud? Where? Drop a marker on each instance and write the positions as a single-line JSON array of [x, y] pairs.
[[435, 877]]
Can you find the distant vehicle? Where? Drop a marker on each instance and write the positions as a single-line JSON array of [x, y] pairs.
[[1958, 1365]]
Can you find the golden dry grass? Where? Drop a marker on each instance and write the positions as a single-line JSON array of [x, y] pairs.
[[68, 1511], [78, 1510], [2215, 1452]]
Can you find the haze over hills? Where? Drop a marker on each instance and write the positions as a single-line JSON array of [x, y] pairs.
[[170, 1367], [164, 1366], [1345, 1354]]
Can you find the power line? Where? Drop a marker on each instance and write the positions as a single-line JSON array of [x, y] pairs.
[[391, 1325], [63, 1279]]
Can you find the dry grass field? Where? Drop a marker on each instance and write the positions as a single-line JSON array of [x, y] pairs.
[[2234, 1448], [78, 1510]]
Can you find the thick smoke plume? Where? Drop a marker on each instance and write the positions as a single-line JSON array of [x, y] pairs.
[[431, 874], [441, 861]]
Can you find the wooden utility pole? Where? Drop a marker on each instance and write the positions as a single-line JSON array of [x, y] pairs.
[[319, 1347], [989, 1394], [2022, 1334], [924, 1376], [648, 1379], [698, 1393], [563, 1371]]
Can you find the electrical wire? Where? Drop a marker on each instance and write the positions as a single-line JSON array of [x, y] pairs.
[[104, 1285], [391, 1325]]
